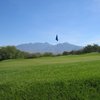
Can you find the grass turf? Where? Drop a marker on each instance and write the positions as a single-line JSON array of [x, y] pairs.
[[51, 78]]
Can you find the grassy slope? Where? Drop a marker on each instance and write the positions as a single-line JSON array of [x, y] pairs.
[[51, 78]]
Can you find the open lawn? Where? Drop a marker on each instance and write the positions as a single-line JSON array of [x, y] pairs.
[[74, 77]]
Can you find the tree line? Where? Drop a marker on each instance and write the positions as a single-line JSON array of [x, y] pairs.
[[86, 49], [11, 52]]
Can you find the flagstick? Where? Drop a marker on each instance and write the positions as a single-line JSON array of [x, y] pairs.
[[57, 48], [57, 45]]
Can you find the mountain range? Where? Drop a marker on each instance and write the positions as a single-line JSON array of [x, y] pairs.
[[46, 47]]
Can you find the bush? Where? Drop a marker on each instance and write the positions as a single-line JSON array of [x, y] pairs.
[[86, 49], [10, 52], [47, 54], [33, 55]]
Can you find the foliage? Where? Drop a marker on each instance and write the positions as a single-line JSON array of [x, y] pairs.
[[86, 49], [91, 48], [33, 55], [9, 52], [47, 54]]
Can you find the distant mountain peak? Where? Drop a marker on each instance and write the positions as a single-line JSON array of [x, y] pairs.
[[46, 47]]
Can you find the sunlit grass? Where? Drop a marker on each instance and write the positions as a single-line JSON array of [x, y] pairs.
[[51, 78]]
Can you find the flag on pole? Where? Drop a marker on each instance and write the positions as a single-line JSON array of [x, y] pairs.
[[57, 38]]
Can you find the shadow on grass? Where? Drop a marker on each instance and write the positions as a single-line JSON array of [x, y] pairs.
[[72, 90]]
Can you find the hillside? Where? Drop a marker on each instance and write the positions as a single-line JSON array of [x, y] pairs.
[[46, 47]]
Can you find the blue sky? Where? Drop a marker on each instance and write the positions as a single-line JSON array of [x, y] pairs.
[[25, 21]]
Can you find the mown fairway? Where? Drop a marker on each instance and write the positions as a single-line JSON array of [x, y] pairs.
[[51, 78]]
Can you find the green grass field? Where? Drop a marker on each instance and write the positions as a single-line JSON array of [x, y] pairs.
[[51, 78]]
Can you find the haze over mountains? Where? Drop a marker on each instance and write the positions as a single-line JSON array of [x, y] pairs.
[[46, 47]]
